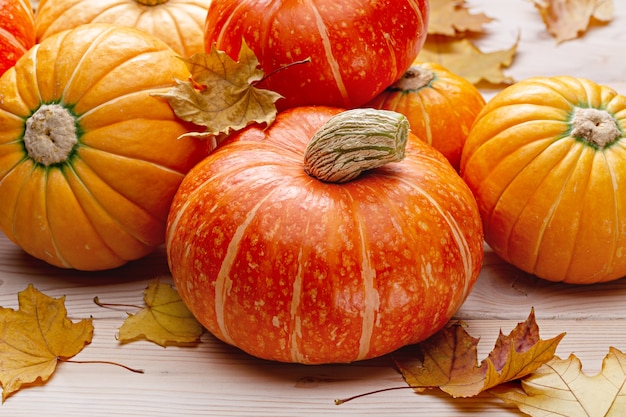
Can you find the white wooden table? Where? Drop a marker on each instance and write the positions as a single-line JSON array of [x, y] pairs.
[[212, 379]]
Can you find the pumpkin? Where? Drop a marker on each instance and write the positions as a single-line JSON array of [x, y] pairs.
[[356, 47], [180, 23], [546, 160], [279, 247], [17, 31], [89, 158], [440, 105]]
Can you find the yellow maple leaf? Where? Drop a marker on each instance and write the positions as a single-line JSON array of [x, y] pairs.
[[221, 95], [34, 338], [567, 19], [452, 17], [448, 360], [164, 320], [463, 58], [560, 388]]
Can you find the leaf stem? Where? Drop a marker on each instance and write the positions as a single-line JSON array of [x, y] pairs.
[[137, 371], [345, 400], [302, 61], [97, 301]]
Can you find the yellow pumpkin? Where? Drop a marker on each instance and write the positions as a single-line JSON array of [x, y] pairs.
[[180, 23], [89, 158], [546, 160]]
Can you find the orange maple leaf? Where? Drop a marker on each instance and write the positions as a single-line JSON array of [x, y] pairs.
[[448, 360]]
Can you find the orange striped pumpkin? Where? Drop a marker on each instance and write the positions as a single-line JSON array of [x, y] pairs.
[[17, 31], [440, 105], [294, 269], [90, 159], [357, 47], [179, 23]]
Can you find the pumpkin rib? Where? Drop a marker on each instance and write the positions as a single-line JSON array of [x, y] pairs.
[[550, 215], [87, 189], [502, 198], [94, 82], [609, 252]]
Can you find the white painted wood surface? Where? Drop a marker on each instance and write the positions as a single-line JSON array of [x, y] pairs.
[[212, 379]]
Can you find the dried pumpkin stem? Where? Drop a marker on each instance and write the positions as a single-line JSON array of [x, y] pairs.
[[355, 141], [50, 134], [596, 127], [151, 2], [415, 78]]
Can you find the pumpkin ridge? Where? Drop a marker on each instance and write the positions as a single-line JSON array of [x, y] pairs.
[[328, 53], [578, 240], [222, 281], [550, 214], [89, 213], [505, 190]]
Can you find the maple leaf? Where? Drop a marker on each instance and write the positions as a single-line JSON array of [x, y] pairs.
[[463, 58], [560, 388], [448, 360], [452, 17], [34, 338], [164, 320], [567, 19], [220, 94]]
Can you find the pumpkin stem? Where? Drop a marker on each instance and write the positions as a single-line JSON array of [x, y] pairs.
[[355, 141], [594, 126], [415, 78], [50, 134], [151, 2]]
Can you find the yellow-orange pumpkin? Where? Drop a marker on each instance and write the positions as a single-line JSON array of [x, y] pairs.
[[440, 105], [294, 269], [89, 158], [180, 23], [546, 160]]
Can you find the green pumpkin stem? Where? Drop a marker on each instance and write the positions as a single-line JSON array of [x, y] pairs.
[[355, 141]]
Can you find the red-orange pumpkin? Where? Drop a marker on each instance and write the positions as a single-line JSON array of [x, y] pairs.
[[357, 47], [440, 105], [89, 157], [17, 31], [291, 268], [179, 23]]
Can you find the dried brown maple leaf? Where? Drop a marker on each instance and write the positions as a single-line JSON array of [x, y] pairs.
[[164, 320], [463, 58], [35, 338], [567, 19], [220, 95], [448, 360], [452, 17], [560, 388]]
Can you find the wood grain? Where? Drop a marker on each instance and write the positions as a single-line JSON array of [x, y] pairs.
[[213, 379]]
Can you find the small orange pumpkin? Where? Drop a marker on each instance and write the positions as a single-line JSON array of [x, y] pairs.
[[89, 158], [440, 105], [292, 268], [546, 160], [179, 23]]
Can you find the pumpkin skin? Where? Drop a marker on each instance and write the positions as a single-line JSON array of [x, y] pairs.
[[179, 23], [293, 269], [17, 31], [107, 202], [357, 47], [551, 201], [440, 105]]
